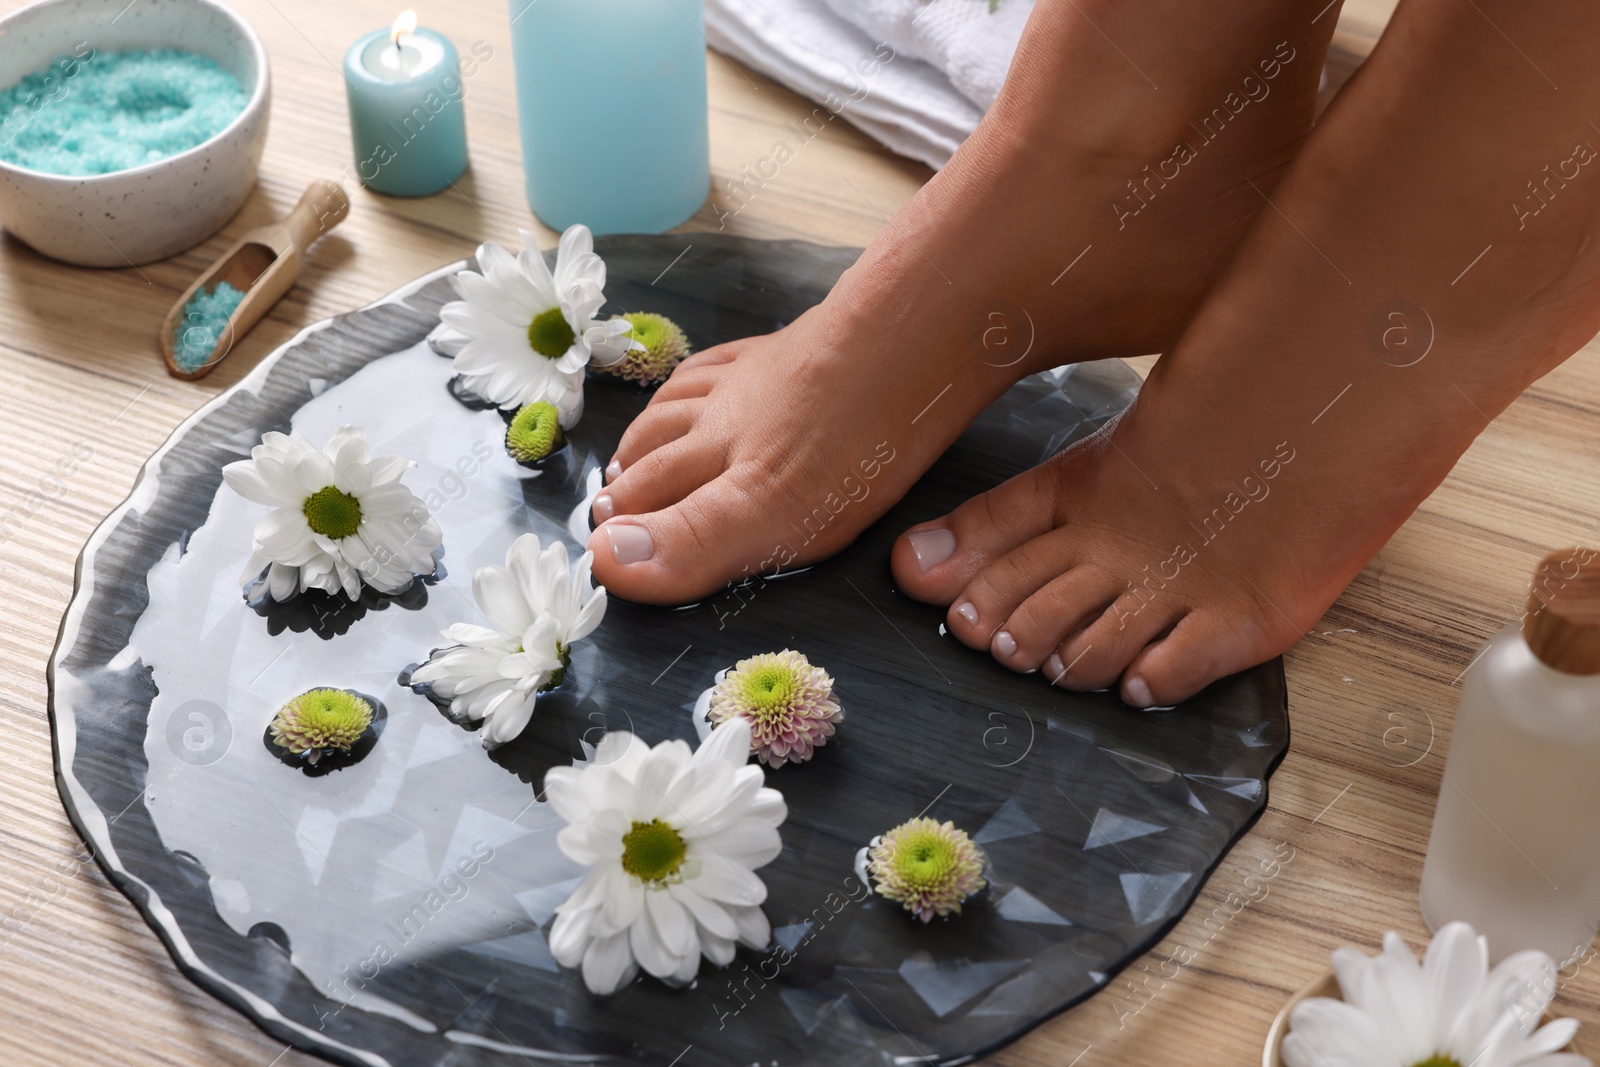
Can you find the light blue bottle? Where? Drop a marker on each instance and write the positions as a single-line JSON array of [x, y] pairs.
[[611, 97]]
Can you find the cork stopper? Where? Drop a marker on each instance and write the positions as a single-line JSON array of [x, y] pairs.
[[1562, 625]]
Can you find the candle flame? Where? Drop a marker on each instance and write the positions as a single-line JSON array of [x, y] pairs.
[[404, 26]]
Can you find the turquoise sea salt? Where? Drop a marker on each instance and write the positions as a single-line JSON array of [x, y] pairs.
[[204, 317], [109, 111]]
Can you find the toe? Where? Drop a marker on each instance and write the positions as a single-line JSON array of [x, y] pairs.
[[1202, 648], [691, 549], [657, 425], [696, 375], [1042, 621], [1096, 656], [935, 561], [662, 478], [984, 605]]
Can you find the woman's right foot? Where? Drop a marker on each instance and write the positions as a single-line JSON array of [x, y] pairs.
[[1132, 145]]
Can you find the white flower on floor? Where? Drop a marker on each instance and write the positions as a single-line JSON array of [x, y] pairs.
[[339, 518], [539, 607], [672, 841], [521, 333], [1451, 1011]]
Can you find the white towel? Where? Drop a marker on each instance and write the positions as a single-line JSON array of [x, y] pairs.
[[969, 43], [906, 103]]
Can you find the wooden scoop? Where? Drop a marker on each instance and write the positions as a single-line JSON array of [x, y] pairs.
[[263, 264]]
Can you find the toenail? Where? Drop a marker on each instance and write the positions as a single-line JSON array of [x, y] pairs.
[[604, 508], [1005, 644], [968, 612], [629, 543], [1138, 692], [931, 547], [1054, 668], [613, 470]]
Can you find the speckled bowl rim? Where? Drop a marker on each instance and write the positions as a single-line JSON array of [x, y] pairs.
[[252, 106]]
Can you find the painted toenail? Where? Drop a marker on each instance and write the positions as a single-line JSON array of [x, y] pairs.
[[1054, 668], [1139, 693], [931, 547], [604, 508], [613, 470], [1005, 644], [629, 543], [968, 612]]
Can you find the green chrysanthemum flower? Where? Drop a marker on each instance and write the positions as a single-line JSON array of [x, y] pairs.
[[927, 868], [321, 721], [664, 347], [535, 432], [788, 702]]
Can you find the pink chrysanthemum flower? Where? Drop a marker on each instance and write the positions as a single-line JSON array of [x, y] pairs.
[[927, 868], [788, 702]]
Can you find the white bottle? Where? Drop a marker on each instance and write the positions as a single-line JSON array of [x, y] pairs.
[[1515, 849]]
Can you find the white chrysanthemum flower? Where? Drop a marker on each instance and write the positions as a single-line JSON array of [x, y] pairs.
[[539, 607], [521, 333], [1451, 1011], [672, 841], [339, 518]]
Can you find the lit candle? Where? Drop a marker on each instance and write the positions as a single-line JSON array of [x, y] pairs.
[[611, 97], [406, 120]]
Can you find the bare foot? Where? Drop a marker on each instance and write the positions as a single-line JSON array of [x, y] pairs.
[[1089, 210], [1348, 357]]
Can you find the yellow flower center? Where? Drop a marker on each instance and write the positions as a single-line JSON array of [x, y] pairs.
[[652, 851], [769, 690], [1439, 1061], [925, 860], [549, 333], [332, 513]]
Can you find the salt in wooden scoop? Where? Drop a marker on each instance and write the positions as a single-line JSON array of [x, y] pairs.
[[263, 265]]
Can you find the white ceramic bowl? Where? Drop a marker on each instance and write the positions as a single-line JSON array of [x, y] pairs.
[[152, 211]]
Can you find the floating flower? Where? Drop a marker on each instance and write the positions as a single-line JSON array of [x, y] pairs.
[[788, 703], [521, 333], [320, 722], [672, 842], [535, 432], [927, 868], [1452, 1011], [539, 607], [657, 345], [339, 518]]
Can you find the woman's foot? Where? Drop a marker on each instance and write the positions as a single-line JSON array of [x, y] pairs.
[[1406, 287], [1084, 219]]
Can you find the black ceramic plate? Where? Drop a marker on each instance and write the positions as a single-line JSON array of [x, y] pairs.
[[393, 911]]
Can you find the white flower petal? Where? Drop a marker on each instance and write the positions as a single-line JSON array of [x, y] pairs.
[[728, 743], [1325, 1031], [608, 964]]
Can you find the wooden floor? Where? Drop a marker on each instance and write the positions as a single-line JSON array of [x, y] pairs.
[[1372, 689]]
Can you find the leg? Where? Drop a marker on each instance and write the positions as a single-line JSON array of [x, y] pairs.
[[1302, 416], [1071, 201]]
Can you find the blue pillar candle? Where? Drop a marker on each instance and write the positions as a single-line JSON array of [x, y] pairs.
[[611, 98], [406, 120]]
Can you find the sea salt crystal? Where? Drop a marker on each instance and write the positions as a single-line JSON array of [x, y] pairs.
[[109, 111]]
